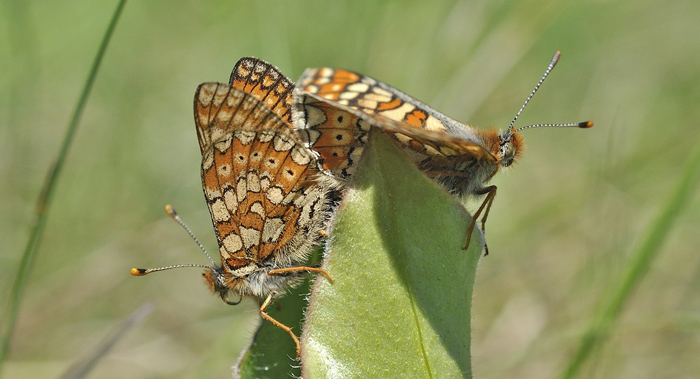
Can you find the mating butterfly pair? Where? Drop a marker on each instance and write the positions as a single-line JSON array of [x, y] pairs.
[[272, 155]]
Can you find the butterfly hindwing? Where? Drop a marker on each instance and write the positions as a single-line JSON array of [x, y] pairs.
[[258, 179]]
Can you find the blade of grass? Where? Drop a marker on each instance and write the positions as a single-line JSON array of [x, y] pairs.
[[639, 264], [82, 367], [45, 196]]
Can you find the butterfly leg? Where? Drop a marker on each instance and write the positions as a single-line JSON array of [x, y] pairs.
[[282, 271], [485, 207], [270, 297], [278, 324]]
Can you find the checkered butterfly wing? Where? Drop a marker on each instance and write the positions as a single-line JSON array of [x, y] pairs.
[[259, 183], [334, 110], [266, 83]]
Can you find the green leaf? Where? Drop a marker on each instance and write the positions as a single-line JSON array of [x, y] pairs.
[[272, 352], [400, 304]]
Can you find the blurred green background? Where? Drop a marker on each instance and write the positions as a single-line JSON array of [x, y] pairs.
[[561, 229]]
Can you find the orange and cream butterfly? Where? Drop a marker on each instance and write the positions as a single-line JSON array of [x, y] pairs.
[[268, 200], [335, 109]]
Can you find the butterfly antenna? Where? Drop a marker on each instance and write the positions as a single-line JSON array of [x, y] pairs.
[[173, 214], [552, 63], [583, 125]]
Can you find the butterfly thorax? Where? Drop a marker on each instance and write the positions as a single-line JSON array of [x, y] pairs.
[[482, 157]]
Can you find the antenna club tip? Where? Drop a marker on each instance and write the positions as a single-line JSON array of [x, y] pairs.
[[170, 211], [586, 124], [138, 271], [555, 58]]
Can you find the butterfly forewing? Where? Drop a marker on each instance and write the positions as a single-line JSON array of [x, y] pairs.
[[374, 97], [266, 83]]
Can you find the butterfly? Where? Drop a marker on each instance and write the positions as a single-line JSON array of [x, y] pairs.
[[267, 199], [334, 109]]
